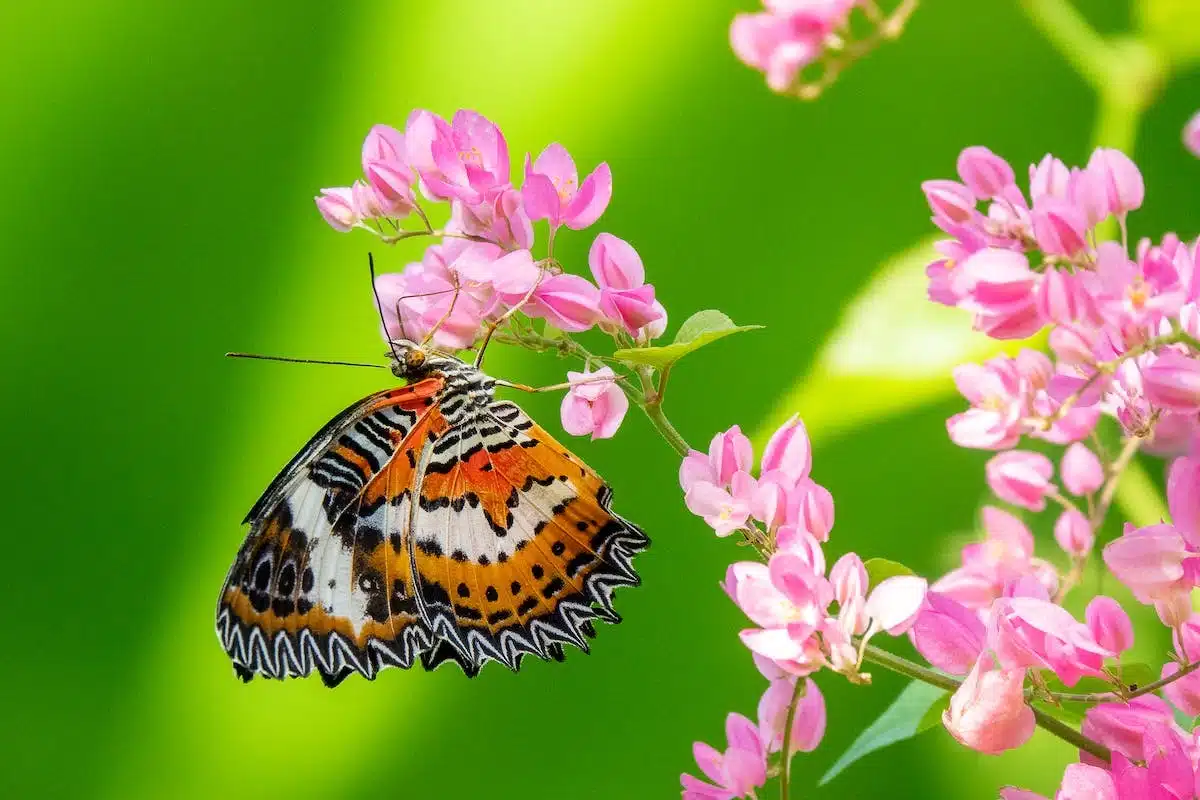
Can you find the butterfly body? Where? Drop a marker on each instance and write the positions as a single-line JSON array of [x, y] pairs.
[[426, 523]]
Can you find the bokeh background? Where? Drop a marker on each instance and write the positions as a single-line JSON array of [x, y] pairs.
[[159, 161]]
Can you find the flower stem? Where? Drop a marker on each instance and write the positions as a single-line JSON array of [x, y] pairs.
[[785, 769], [1071, 736], [1105, 697]]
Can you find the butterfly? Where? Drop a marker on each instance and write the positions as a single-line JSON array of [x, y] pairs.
[[430, 523]]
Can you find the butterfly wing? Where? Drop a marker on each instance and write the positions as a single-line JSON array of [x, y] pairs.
[[323, 579], [515, 550]]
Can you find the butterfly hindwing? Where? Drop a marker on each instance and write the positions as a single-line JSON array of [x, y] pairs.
[[516, 551], [313, 586]]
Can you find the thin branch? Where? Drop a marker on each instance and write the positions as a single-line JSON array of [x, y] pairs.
[[785, 770]]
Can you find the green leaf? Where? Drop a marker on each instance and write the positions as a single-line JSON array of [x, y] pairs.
[[933, 716], [551, 332], [903, 719], [880, 569], [698, 330]]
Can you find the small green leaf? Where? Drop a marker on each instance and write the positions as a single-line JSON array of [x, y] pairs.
[[880, 569], [551, 332], [933, 716], [903, 719], [1135, 675], [698, 330]]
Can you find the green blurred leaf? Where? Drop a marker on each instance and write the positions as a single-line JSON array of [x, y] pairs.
[[933, 717], [698, 330], [880, 569], [903, 719]]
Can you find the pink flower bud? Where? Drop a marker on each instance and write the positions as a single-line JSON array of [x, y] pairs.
[[1174, 608], [768, 503], [988, 711], [849, 578], [1148, 560], [1120, 177], [1088, 195], [1062, 297], [1191, 135], [392, 186], [1184, 693], [1074, 534], [728, 453], [985, 173], [337, 207], [896, 602], [695, 467], [789, 451], [1183, 498], [1020, 477], [948, 634], [1109, 624], [811, 507], [1049, 178], [625, 297], [594, 404], [808, 725], [1059, 227], [1085, 782], [1173, 382], [569, 302], [384, 143], [1082, 472], [950, 201]]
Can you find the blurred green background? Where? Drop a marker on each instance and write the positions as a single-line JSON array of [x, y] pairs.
[[159, 161]]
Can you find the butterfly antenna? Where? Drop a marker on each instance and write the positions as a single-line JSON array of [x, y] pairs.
[[304, 360], [492, 326], [379, 308], [446, 316]]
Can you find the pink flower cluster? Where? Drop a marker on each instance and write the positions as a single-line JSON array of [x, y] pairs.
[[484, 267], [788, 36], [1122, 324], [1191, 135], [807, 617]]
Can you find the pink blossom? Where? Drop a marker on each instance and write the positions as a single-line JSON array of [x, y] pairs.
[[1120, 177], [1191, 135], [988, 711], [1184, 693], [1119, 725], [789, 450], [552, 190], [1021, 477], [383, 163], [1172, 381], [696, 467], [1129, 294], [723, 511], [337, 207], [952, 203], [594, 404], [948, 634], [1150, 561], [849, 578], [1060, 227], [1005, 556], [625, 297], [896, 602], [1074, 533], [984, 173], [1085, 782], [429, 299], [768, 503], [810, 506], [498, 217], [808, 725], [1183, 498], [729, 452], [465, 160], [786, 38], [1063, 297], [1028, 632], [1048, 178], [735, 773], [1013, 793], [996, 392], [1001, 289], [1082, 472], [1109, 624], [569, 302]]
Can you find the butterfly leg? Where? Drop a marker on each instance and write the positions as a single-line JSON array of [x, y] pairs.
[[554, 387]]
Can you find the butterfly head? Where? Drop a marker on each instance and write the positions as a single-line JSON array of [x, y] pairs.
[[412, 361]]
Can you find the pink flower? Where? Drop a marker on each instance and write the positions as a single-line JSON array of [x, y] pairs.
[[429, 299], [386, 171], [1001, 289], [1029, 632], [1005, 556], [723, 512], [337, 207], [1120, 177], [1119, 726], [787, 38], [1172, 381], [808, 725], [466, 159], [729, 453], [789, 451], [1150, 561], [952, 203], [625, 297], [985, 173], [988, 711], [1085, 782], [1021, 477], [1074, 533], [737, 772], [1082, 472], [768, 503], [498, 217], [1063, 298], [948, 634], [569, 302], [594, 404], [552, 190], [695, 468], [1060, 227], [849, 578], [896, 602], [1184, 693], [1109, 624], [996, 391], [1191, 135], [810, 507], [1050, 177], [1183, 498]]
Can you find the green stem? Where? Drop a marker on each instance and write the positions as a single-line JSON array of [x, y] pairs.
[[1086, 50], [1107, 697], [785, 770], [666, 429], [1071, 736]]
